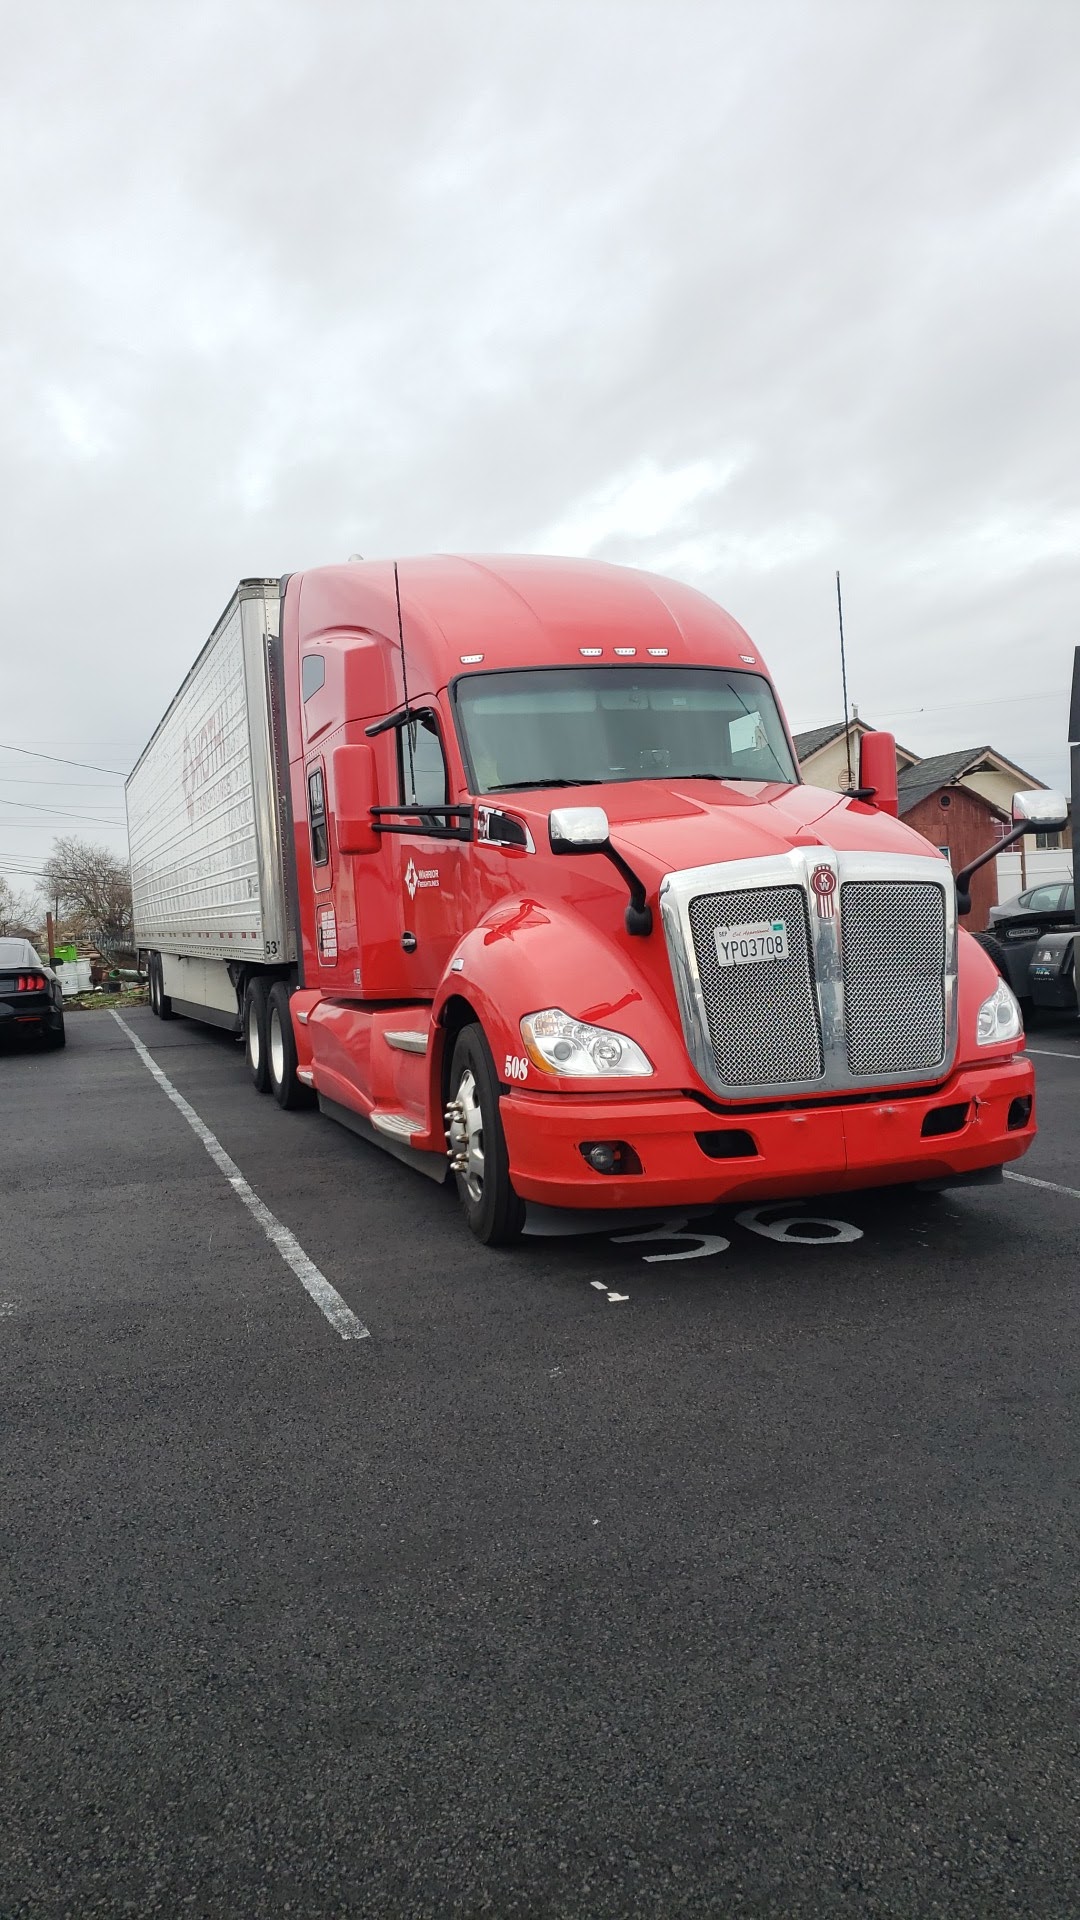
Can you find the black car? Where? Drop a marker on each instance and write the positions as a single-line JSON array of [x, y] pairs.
[[31, 997], [1039, 910], [1017, 926]]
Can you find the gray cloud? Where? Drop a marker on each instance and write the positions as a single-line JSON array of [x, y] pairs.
[[741, 291]]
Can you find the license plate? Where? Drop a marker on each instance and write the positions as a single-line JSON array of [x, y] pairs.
[[744, 946]]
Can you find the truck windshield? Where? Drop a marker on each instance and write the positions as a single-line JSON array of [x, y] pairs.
[[580, 726]]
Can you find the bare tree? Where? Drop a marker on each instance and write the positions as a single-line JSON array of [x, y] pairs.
[[19, 913], [94, 889]]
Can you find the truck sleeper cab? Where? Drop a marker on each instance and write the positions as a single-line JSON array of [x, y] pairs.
[[560, 918]]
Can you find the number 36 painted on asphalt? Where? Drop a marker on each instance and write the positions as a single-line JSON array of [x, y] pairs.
[[771, 1221]]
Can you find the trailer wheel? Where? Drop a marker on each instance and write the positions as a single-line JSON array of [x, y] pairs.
[[255, 1046], [288, 1091], [151, 983], [160, 1001], [477, 1144]]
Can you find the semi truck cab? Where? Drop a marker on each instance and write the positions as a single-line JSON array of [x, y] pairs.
[[569, 924]]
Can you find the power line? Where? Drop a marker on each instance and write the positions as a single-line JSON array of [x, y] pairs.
[[63, 813], [20, 780], [60, 760], [958, 705]]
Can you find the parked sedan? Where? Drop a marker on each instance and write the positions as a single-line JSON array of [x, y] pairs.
[[31, 997], [1039, 910], [1017, 926]]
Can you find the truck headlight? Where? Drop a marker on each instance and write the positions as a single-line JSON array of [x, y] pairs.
[[556, 1043], [999, 1017]]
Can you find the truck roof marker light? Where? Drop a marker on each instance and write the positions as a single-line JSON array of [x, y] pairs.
[[591, 653], [658, 653], [750, 659], [626, 653], [470, 659]]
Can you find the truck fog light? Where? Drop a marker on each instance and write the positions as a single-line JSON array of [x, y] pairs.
[[610, 1156], [1019, 1113], [999, 1017]]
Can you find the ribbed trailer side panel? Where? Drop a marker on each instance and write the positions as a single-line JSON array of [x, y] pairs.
[[204, 803]]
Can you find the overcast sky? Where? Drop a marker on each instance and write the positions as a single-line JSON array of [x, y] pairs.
[[743, 293]]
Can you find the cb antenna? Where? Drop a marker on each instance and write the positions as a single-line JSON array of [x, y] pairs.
[[405, 685], [843, 674]]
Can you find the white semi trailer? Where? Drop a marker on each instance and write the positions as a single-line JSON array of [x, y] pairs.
[[205, 807]]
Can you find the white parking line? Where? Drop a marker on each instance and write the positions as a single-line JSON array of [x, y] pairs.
[[1028, 1180], [1052, 1053], [326, 1298]]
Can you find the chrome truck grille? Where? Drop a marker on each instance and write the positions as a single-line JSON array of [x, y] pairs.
[[865, 993]]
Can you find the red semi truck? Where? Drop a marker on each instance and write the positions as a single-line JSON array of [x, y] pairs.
[[506, 863]]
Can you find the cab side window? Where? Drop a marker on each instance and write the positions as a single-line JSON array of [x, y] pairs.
[[320, 842], [421, 763]]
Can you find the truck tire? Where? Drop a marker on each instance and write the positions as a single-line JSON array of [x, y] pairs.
[[994, 948], [492, 1209], [255, 1047], [288, 1091]]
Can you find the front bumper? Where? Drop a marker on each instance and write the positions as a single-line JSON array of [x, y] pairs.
[[797, 1150]]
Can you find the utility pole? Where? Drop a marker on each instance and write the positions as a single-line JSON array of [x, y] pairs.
[[50, 936]]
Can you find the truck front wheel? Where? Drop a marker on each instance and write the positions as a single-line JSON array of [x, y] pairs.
[[255, 1046], [287, 1090], [477, 1144]]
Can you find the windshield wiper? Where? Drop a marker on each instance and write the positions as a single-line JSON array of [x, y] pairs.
[[518, 786]]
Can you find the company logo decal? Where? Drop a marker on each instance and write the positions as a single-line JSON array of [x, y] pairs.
[[823, 886], [419, 878]]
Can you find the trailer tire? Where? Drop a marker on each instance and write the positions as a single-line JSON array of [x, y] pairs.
[[160, 1002], [493, 1211], [281, 1062], [255, 1047]]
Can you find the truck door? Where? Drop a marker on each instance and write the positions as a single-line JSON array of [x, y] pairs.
[[426, 861]]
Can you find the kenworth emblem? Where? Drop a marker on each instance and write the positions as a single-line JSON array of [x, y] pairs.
[[823, 886]]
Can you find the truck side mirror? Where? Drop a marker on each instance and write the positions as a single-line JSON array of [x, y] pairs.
[[1036, 812], [877, 772], [355, 792], [1041, 811], [578, 830]]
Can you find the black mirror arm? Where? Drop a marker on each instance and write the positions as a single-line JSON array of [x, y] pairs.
[[639, 917], [964, 877]]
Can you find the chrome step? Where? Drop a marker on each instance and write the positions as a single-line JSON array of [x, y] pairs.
[[406, 1041], [398, 1126]]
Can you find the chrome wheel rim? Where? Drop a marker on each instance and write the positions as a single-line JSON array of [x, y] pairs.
[[467, 1136], [277, 1048], [254, 1048]]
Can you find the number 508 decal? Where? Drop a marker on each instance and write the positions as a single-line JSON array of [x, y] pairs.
[[516, 1068]]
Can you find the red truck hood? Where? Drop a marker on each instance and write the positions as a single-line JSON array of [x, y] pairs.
[[696, 822]]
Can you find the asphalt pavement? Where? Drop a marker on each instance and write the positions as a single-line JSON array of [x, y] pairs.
[[592, 1582]]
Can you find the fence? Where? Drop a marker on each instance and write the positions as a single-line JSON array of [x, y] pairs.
[[1034, 868]]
